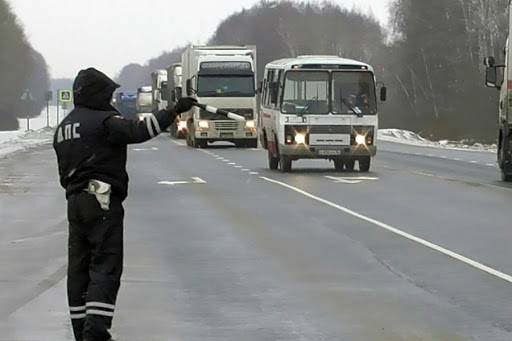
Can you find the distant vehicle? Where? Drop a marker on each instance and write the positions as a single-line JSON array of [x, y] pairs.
[[504, 85], [158, 79], [126, 103], [172, 95], [319, 107], [223, 77], [144, 99]]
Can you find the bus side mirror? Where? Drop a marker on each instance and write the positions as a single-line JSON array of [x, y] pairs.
[[383, 94], [491, 77], [489, 61]]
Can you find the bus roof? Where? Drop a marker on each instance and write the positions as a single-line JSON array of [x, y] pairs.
[[314, 61]]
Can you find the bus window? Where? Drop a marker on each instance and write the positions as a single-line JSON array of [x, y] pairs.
[[354, 93], [306, 92]]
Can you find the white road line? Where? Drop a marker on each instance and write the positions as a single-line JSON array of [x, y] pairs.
[[457, 159], [474, 161], [432, 246], [490, 165], [239, 167], [226, 160], [254, 173], [198, 180], [246, 170], [232, 163]]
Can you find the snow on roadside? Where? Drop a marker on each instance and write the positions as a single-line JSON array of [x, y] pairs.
[[23, 139], [413, 139]]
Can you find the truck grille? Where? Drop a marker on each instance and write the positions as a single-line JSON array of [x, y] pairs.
[[226, 125]]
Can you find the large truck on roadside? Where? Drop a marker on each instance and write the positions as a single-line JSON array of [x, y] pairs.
[[504, 85], [159, 81], [173, 94], [144, 102], [223, 77], [319, 107]]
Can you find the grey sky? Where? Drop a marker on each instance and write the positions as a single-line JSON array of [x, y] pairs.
[[109, 34]]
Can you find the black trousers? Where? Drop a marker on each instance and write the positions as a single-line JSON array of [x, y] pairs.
[[95, 264]]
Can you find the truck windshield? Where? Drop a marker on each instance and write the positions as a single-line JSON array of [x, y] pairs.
[[306, 92], [225, 86], [354, 93]]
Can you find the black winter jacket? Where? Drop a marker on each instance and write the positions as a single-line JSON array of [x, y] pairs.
[[91, 142]]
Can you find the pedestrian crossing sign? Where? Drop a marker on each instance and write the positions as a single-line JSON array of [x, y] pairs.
[[65, 96]]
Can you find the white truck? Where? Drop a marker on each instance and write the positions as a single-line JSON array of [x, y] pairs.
[[158, 78], [223, 77], [504, 85], [144, 102], [319, 107], [173, 92]]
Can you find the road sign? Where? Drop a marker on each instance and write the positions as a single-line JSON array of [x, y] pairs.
[[65, 96]]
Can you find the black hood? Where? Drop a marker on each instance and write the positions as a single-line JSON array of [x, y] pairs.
[[93, 89]]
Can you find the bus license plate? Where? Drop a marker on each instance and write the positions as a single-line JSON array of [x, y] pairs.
[[327, 152]]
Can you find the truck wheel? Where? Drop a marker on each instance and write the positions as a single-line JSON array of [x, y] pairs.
[[350, 165], [252, 143], [273, 162], [364, 164], [338, 165], [285, 164], [240, 144]]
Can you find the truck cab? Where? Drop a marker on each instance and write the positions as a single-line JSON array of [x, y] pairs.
[[222, 77], [499, 76], [158, 78]]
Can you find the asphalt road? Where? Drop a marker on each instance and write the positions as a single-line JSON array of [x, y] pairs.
[[220, 248]]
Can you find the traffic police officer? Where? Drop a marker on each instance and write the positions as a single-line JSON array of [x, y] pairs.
[[91, 146]]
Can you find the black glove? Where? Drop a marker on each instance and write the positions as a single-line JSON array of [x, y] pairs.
[[184, 104]]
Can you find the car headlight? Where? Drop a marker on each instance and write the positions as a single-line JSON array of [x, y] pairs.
[[203, 124], [182, 125], [250, 124], [300, 138], [360, 139]]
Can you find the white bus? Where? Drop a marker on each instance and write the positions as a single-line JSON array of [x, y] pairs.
[[319, 107]]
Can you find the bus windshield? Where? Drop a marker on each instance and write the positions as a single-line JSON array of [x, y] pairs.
[[225, 86], [354, 93], [306, 92]]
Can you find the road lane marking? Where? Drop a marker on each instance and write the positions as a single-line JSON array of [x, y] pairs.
[[254, 173], [195, 180], [239, 167], [351, 180], [232, 163], [490, 165], [144, 149], [246, 170], [426, 243]]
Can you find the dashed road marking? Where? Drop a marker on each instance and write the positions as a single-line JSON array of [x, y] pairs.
[[254, 173], [246, 170], [397, 231]]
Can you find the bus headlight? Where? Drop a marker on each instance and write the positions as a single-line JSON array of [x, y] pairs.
[[250, 124], [300, 138], [360, 140], [203, 124]]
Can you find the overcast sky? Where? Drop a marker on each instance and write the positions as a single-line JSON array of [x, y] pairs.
[[108, 34]]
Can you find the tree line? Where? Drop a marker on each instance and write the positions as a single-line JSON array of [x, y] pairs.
[[21, 68], [430, 55]]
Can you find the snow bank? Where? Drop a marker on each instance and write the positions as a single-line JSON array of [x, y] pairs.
[[23, 139], [414, 139]]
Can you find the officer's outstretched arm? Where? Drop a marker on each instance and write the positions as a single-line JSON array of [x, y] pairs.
[[122, 131]]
